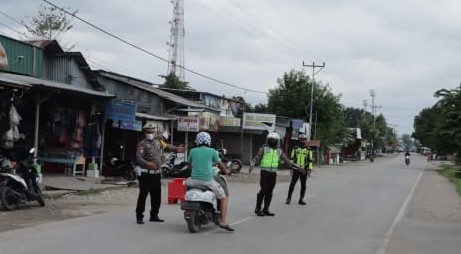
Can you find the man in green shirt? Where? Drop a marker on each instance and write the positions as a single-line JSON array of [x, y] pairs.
[[202, 158]]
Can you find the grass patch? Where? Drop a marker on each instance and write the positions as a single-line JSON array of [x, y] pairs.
[[449, 171]]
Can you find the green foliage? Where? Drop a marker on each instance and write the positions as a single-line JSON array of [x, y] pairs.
[[172, 81], [439, 127], [450, 171], [49, 23], [292, 99], [379, 132]]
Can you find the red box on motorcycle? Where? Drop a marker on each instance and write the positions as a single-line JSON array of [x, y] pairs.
[[176, 190]]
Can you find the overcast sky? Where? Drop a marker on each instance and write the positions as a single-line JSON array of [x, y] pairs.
[[403, 49]]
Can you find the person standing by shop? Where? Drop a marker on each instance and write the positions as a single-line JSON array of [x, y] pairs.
[[268, 156], [302, 157], [148, 162]]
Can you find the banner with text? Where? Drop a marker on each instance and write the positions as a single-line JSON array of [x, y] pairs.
[[256, 121]]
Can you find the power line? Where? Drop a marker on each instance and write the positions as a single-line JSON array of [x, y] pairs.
[[148, 52]]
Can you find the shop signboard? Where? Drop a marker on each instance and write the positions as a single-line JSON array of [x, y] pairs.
[[188, 124], [3, 57], [256, 121], [229, 121], [120, 111], [134, 126]]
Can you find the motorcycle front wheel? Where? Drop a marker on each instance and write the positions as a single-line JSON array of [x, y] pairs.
[[193, 221], [236, 165], [130, 175], [40, 199], [7, 198]]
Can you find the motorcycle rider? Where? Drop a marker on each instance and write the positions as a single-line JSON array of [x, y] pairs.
[[302, 157], [268, 156], [202, 158], [148, 161]]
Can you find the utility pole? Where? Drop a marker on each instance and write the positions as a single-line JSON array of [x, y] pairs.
[[176, 44], [373, 111], [313, 65]]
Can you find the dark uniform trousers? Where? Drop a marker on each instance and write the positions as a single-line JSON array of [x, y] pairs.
[[267, 183], [294, 178], [149, 184]]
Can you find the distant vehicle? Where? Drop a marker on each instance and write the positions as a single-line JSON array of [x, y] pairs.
[[425, 150]]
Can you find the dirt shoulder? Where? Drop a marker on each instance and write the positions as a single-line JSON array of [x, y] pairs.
[[435, 198]]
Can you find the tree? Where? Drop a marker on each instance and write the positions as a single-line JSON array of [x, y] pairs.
[[173, 82], [49, 23], [439, 127], [292, 99]]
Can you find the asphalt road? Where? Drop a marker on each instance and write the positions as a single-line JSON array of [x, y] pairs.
[[357, 208]]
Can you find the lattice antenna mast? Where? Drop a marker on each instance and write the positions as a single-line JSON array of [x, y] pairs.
[[176, 43]]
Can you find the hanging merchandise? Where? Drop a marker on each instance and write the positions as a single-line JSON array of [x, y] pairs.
[[12, 135]]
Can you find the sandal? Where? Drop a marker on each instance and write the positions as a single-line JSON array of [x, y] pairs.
[[226, 227]]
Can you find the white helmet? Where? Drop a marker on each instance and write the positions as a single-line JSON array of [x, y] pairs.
[[302, 136], [203, 138], [273, 135]]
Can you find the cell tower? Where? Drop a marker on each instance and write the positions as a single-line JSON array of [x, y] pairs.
[[176, 43]]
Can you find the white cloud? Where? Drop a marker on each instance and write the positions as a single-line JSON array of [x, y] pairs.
[[405, 50]]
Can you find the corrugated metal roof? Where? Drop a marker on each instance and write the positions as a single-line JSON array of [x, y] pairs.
[[149, 87], [37, 83], [162, 117]]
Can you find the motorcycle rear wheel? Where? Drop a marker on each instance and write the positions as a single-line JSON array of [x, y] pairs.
[[130, 175], [193, 223], [7, 198]]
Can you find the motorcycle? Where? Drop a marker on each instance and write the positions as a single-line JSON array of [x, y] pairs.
[[407, 160], [20, 184], [235, 165], [201, 205], [170, 169], [116, 167]]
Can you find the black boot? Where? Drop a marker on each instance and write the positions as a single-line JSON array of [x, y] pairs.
[[259, 202], [267, 213], [139, 220], [288, 201], [301, 201], [155, 218]]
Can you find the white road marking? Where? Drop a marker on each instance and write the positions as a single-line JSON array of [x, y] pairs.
[[387, 237]]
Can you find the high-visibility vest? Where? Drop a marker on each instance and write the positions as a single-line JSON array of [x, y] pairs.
[[270, 159], [299, 155]]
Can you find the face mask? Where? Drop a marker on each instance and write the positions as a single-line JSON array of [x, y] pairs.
[[150, 136]]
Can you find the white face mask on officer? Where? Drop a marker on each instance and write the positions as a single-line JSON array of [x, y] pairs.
[[150, 136]]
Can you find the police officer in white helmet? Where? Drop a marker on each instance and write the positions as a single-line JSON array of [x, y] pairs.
[[269, 157]]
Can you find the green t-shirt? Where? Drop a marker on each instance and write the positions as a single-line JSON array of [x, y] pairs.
[[202, 159]]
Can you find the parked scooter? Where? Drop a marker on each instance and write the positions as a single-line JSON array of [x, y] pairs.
[[117, 167], [201, 205], [20, 184], [235, 165], [170, 169]]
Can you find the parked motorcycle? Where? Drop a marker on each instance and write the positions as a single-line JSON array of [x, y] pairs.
[[407, 160], [20, 184], [201, 205], [235, 165], [170, 169], [117, 167]]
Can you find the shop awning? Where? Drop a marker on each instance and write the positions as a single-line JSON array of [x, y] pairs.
[[5, 80], [160, 117], [313, 143], [28, 81]]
